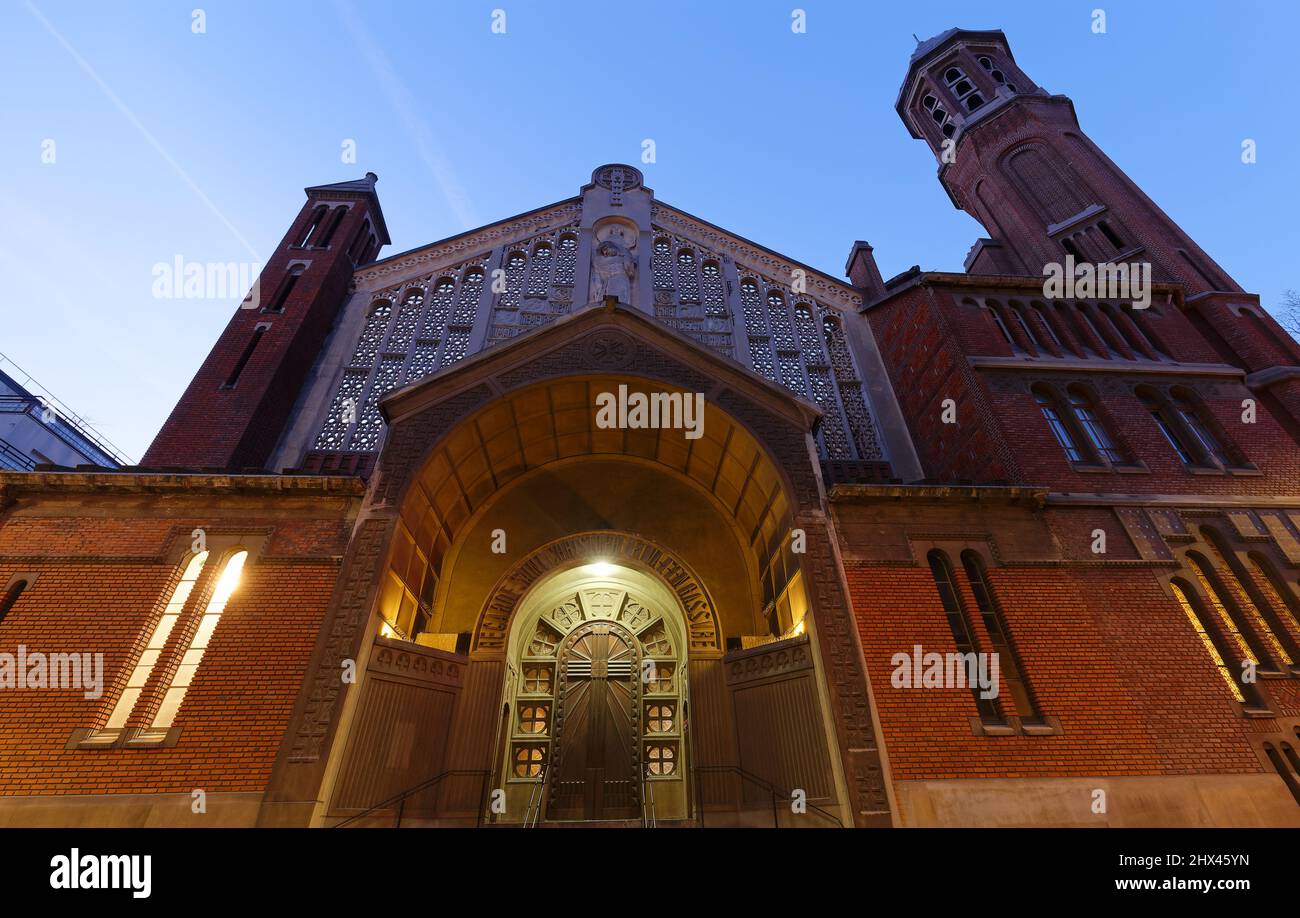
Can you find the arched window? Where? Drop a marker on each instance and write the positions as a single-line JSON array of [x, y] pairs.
[[1184, 403], [1083, 314], [1156, 407], [286, 288], [998, 76], [1047, 321], [939, 114], [1048, 405], [1247, 644], [995, 313], [1111, 236], [11, 596], [1085, 412], [1026, 326], [1278, 594], [941, 570], [198, 645], [996, 626], [330, 227], [1220, 651], [317, 215], [357, 248], [1247, 600], [963, 88], [148, 658]]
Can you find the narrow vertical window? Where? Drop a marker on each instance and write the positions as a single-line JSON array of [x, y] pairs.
[[1277, 593], [1001, 324], [1155, 408], [1047, 405], [312, 225], [157, 641], [238, 370], [1245, 641], [1192, 419], [1230, 571], [286, 288], [331, 226], [1219, 651], [957, 624], [995, 624], [189, 663], [1086, 414]]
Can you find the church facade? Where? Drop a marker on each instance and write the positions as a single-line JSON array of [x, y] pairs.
[[606, 514]]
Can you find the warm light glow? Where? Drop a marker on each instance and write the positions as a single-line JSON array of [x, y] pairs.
[[798, 629], [386, 630], [229, 578], [602, 568]]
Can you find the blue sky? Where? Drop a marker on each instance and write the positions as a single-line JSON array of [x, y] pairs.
[[171, 143]]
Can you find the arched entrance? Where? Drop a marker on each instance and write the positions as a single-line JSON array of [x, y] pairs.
[[485, 470], [595, 693]]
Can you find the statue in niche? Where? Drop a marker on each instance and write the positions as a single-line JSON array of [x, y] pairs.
[[612, 269]]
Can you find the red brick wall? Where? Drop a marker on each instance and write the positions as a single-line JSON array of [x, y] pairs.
[[1106, 651], [926, 334], [102, 582]]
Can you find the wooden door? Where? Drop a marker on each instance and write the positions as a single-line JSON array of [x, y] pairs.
[[597, 735]]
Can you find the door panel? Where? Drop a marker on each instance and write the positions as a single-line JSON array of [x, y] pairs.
[[597, 731]]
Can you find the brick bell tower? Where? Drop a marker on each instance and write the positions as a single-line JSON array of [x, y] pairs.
[[238, 403], [1013, 156]]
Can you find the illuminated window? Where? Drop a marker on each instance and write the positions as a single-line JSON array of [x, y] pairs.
[[189, 664], [1239, 644], [661, 760], [537, 680], [533, 718], [544, 642], [659, 718], [153, 650], [1232, 573], [657, 644], [660, 679], [529, 761], [1195, 613]]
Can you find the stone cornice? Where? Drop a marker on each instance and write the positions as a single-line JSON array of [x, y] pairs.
[[1023, 282], [1123, 367], [158, 482], [863, 494]]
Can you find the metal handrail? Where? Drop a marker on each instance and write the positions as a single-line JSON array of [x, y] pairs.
[[537, 797], [400, 799], [774, 789], [648, 818]]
